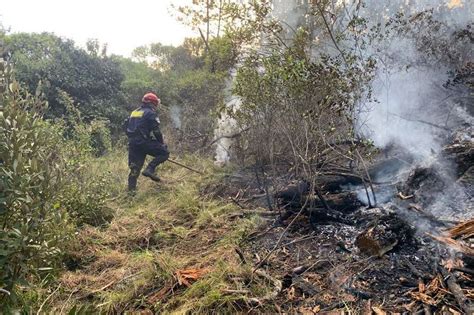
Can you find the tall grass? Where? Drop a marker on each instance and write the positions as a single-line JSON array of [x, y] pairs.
[[166, 227]]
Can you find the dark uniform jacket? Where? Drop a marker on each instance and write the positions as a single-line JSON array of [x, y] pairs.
[[142, 123]]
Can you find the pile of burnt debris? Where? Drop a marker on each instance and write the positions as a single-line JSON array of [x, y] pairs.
[[404, 246]]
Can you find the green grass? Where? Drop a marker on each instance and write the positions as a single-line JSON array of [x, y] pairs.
[[166, 227]]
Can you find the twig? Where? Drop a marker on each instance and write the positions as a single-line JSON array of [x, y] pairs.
[[321, 198], [46, 300], [456, 290], [422, 122], [105, 286], [420, 212], [204, 40], [314, 265], [236, 202], [257, 196], [331, 35], [263, 213], [232, 136], [277, 284], [403, 197], [362, 179], [265, 188], [229, 291], [368, 176], [306, 238], [465, 270], [5, 291], [241, 255], [115, 282], [415, 270], [260, 263], [257, 235], [367, 194], [68, 298]]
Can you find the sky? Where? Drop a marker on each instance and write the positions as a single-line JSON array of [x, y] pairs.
[[122, 24]]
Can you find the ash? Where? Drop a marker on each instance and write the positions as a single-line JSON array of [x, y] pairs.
[[400, 255]]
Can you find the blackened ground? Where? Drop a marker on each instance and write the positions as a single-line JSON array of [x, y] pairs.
[[366, 259], [323, 268]]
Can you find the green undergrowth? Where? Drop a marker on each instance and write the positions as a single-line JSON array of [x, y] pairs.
[[131, 264]]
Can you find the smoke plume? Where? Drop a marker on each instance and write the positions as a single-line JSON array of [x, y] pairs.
[[226, 125], [414, 110], [175, 114]]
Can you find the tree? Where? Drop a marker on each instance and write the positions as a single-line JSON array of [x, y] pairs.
[[164, 58], [205, 16], [92, 80], [190, 79], [139, 78]]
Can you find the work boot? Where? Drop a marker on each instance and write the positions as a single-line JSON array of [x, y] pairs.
[[132, 180], [151, 175]]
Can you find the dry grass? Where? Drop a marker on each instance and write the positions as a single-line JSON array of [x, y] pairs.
[[132, 264]]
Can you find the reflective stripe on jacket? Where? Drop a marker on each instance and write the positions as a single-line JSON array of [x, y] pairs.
[[142, 122]]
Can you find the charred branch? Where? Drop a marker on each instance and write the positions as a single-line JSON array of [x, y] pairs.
[[457, 291]]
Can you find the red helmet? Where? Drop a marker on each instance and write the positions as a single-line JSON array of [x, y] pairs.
[[151, 98]]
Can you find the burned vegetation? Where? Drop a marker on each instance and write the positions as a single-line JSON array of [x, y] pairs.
[[357, 225], [333, 247]]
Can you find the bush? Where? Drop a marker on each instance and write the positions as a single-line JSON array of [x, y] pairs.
[[87, 139], [34, 228], [299, 108], [85, 192], [46, 188], [100, 141], [85, 199]]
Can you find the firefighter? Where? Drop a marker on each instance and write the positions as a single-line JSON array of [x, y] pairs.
[[145, 138]]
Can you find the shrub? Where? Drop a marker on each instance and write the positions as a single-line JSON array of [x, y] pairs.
[[85, 199], [85, 192], [34, 228], [298, 109], [100, 141], [46, 188]]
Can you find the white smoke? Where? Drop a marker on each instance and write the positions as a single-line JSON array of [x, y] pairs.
[[413, 109], [291, 13], [175, 114], [408, 111], [226, 125]]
